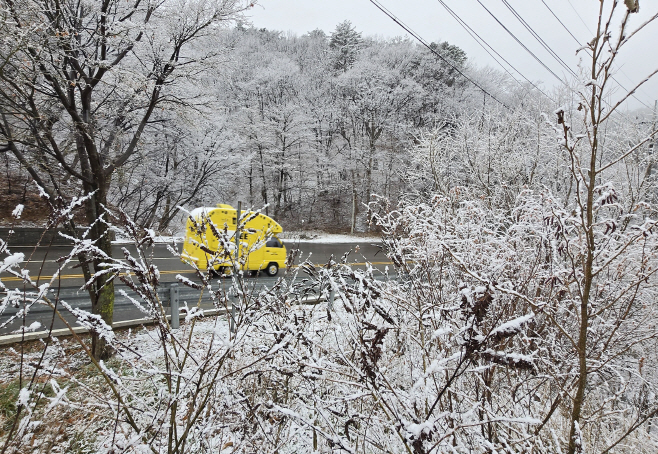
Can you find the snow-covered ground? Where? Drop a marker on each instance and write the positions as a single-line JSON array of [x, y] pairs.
[[289, 237], [164, 239], [321, 237]]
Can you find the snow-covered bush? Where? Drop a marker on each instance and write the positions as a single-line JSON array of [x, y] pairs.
[[470, 343], [523, 272], [163, 389]]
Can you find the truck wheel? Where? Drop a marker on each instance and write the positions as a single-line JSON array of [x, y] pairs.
[[272, 269]]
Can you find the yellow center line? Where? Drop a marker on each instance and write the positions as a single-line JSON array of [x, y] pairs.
[[189, 270]]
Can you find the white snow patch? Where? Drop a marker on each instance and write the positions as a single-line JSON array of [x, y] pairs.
[[201, 212], [323, 238], [23, 397], [18, 211], [513, 326], [12, 260], [192, 313], [42, 192], [441, 332], [33, 327], [416, 429]]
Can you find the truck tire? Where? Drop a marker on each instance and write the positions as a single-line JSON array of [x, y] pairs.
[[272, 269]]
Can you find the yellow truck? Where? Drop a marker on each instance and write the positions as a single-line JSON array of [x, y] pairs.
[[210, 241]]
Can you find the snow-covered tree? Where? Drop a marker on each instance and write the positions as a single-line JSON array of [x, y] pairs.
[[80, 84], [345, 42]]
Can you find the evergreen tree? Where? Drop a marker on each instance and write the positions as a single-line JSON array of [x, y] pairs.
[[346, 42]]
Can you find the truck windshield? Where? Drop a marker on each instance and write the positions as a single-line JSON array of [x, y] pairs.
[[273, 242]]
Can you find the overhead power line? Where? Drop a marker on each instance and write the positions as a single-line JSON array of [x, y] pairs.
[[561, 23], [424, 43], [587, 50], [482, 42], [580, 17], [533, 55], [521, 44], [539, 39]]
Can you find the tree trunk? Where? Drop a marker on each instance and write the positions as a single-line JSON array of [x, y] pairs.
[[263, 190], [374, 133], [369, 174], [102, 291], [575, 444], [166, 215]]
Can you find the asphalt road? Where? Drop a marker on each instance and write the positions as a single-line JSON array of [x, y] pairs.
[[42, 263]]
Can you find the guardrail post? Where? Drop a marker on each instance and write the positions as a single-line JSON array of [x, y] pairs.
[[173, 303], [332, 295]]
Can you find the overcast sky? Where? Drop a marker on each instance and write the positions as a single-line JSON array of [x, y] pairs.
[[430, 20]]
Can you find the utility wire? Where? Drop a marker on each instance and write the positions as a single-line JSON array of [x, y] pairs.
[[579, 17], [587, 50], [561, 23], [536, 58], [521, 44], [484, 43], [424, 43], [479, 40], [539, 39]]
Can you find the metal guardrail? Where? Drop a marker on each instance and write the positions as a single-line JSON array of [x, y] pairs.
[[62, 332], [171, 296]]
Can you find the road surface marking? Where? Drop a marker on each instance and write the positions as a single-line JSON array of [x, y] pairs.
[[189, 270]]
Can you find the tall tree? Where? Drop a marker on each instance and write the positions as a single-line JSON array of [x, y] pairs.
[[377, 101], [345, 42], [79, 85]]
